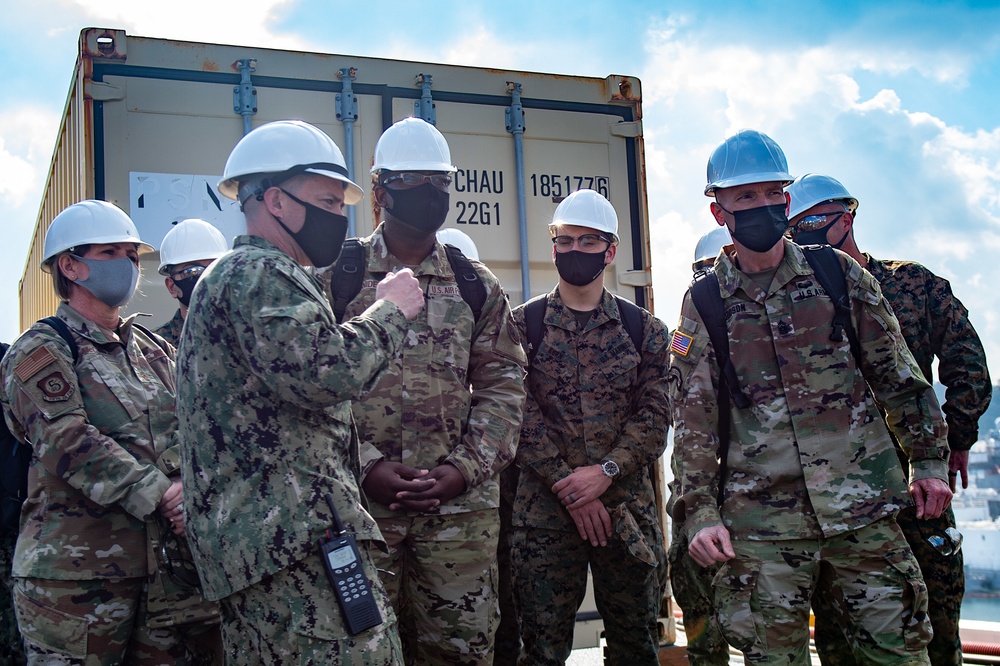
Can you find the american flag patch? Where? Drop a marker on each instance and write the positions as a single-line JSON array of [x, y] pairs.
[[29, 367], [680, 343]]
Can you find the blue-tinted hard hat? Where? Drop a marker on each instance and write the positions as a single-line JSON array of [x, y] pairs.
[[746, 157], [812, 189]]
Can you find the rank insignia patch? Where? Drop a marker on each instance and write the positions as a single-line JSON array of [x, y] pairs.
[[680, 343]]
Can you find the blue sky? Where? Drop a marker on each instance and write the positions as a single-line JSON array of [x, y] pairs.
[[899, 100]]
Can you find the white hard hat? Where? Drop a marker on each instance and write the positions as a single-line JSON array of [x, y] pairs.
[[587, 208], [710, 245], [746, 157], [459, 239], [412, 144], [812, 189], [191, 240], [85, 223], [275, 152]]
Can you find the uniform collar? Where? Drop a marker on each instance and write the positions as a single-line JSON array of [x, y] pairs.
[[380, 260], [793, 264], [90, 330], [557, 314]]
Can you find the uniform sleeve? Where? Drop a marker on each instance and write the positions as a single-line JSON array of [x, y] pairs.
[[961, 365], [692, 386], [535, 450], [496, 373], [912, 410], [292, 343], [643, 437], [45, 404]]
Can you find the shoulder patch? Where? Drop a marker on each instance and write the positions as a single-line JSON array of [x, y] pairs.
[[54, 387], [37, 361], [680, 343]]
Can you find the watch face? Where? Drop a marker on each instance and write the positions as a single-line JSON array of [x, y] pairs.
[[610, 468]]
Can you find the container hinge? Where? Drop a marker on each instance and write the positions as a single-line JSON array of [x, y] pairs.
[[347, 101], [103, 92], [515, 112], [424, 107], [636, 278], [629, 130], [245, 95]]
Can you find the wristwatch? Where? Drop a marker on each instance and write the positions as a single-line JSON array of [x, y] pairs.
[[610, 469]]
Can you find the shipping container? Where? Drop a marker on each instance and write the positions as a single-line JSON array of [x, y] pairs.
[[149, 123]]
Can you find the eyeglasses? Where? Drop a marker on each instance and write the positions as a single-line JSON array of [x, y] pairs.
[[176, 557], [408, 179], [190, 271], [945, 542], [814, 222], [586, 242]]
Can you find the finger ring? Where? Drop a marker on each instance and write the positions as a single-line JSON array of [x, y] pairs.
[[571, 500]]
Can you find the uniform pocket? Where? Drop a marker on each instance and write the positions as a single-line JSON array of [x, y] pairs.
[[737, 605], [917, 632], [47, 627]]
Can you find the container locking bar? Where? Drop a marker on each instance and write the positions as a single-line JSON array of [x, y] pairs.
[[347, 113], [514, 115], [245, 95]]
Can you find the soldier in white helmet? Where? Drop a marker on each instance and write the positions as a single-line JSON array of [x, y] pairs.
[[708, 248], [186, 251], [594, 421], [440, 425], [265, 378]]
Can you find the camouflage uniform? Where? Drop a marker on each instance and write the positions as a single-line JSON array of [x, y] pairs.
[[592, 397], [264, 381], [171, 331], [933, 323], [811, 466], [422, 413], [104, 433]]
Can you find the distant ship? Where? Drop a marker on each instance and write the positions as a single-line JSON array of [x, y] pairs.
[[977, 512]]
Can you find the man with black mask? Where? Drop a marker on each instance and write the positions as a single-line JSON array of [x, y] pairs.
[[442, 422], [186, 251], [934, 323], [594, 421], [808, 475]]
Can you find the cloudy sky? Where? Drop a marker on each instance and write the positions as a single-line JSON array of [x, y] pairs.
[[893, 98]]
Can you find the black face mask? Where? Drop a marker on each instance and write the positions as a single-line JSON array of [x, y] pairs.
[[759, 229], [187, 288], [580, 268], [818, 236], [322, 234], [424, 207]]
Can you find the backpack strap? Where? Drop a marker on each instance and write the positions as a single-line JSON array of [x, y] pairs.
[[632, 320], [534, 324], [63, 330], [708, 301], [469, 283], [348, 276], [830, 275]]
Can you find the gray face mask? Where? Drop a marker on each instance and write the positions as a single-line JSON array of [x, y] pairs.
[[112, 281]]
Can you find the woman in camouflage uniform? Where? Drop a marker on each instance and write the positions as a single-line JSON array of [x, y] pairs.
[[94, 395]]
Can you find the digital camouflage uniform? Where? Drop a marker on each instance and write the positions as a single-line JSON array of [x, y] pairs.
[[104, 434], [591, 397], [933, 323], [265, 377], [171, 331], [422, 413], [813, 474]]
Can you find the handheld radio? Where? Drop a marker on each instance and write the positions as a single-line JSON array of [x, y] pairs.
[[343, 564]]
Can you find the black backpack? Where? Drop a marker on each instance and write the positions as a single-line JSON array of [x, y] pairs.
[[349, 274], [708, 301], [15, 457], [534, 323]]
